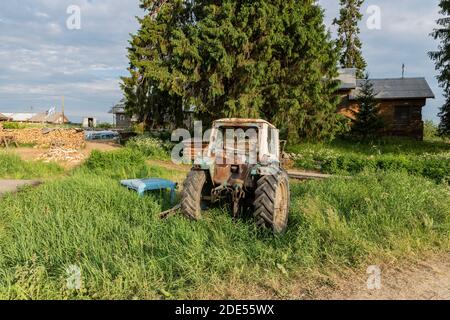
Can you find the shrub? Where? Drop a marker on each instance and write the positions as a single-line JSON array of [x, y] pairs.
[[122, 164], [105, 125], [13, 125], [151, 147], [430, 130], [434, 165]]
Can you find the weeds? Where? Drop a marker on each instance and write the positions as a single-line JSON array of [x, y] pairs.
[[151, 147]]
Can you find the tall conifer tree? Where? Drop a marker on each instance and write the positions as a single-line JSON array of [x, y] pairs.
[[442, 60], [241, 58], [349, 44]]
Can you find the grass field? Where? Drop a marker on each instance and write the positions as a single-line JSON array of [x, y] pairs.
[[13, 167], [86, 219], [430, 159]]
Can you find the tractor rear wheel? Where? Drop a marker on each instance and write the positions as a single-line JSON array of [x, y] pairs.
[[271, 204], [194, 189]]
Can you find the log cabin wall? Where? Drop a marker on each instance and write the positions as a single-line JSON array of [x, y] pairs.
[[402, 117]]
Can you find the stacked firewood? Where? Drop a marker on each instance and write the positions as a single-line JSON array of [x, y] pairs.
[[47, 138]]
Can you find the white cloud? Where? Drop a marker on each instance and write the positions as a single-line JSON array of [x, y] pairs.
[[41, 14]]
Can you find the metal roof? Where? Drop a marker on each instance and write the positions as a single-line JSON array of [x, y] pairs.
[[347, 78], [242, 122], [401, 88], [20, 117]]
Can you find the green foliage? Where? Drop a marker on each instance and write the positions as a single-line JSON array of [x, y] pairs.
[[441, 59], [13, 167], [430, 130], [125, 251], [121, 164], [105, 125], [367, 120], [268, 59], [13, 125], [151, 147], [431, 160], [349, 43]]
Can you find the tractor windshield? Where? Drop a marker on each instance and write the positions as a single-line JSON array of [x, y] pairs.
[[236, 145]]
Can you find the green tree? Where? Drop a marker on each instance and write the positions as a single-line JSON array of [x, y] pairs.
[[349, 44], [231, 58], [442, 60], [145, 97], [367, 120]]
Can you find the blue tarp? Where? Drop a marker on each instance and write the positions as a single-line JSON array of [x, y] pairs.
[[143, 185], [101, 135]]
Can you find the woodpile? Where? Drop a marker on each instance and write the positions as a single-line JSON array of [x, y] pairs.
[[7, 141], [57, 154], [47, 138]]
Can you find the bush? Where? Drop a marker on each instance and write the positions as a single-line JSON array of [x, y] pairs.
[[430, 130], [13, 125], [151, 147], [356, 159], [105, 125], [122, 164]]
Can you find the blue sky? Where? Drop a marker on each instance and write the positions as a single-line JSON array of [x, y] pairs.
[[42, 60]]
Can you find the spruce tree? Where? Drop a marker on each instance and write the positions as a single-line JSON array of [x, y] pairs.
[[242, 58], [367, 120], [145, 96], [349, 44], [442, 60]]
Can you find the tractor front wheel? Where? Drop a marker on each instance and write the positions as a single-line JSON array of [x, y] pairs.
[[271, 204], [194, 189]]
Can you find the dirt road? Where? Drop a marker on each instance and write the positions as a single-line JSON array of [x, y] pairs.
[[14, 185], [428, 280]]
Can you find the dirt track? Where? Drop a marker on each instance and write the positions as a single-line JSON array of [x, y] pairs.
[[428, 280], [14, 185]]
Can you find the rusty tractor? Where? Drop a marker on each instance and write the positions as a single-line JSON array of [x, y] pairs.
[[240, 165]]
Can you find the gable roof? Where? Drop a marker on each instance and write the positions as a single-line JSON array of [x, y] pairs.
[[3, 117], [401, 88], [56, 118]]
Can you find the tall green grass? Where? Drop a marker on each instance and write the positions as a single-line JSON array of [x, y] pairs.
[[124, 251], [428, 159], [151, 147], [13, 167]]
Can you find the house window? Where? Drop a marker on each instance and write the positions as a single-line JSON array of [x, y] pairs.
[[402, 115]]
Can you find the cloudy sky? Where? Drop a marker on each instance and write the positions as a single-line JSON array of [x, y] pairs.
[[41, 59]]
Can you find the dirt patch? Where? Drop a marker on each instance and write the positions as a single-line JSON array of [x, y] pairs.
[[426, 280], [7, 186]]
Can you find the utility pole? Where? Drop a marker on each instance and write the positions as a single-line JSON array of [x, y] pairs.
[[62, 107], [403, 71]]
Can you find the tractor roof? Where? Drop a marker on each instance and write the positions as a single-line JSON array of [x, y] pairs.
[[242, 122]]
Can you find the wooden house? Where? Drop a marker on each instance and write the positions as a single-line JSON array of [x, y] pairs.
[[400, 102]]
